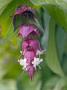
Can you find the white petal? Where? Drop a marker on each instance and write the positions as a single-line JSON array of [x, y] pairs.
[[34, 65], [40, 52], [21, 52], [36, 62], [23, 63], [20, 61]]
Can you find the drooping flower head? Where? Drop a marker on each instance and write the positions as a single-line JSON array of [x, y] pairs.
[[31, 47]]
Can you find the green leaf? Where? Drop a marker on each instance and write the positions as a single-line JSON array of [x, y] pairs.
[[62, 3], [64, 63], [3, 5], [61, 85], [51, 83], [8, 85], [59, 15], [60, 38], [57, 9], [46, 73], [24, 82], [56, 83], [52, 58]]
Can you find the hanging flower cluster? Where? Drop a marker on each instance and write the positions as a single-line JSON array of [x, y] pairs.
[[31, 48]]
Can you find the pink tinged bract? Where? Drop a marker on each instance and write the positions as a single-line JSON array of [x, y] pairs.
[[35, 44], [32, 44], [25, 44], [31, 71], [23, 9], [29, 55], [25, 30]]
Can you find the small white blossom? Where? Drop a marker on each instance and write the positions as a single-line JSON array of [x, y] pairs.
[[40, 52], [36, 62], [23, 63], [21, 52]]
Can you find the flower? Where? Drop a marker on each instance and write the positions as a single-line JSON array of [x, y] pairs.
[[21, 52], [39, 52], [36, 62], [23, 63], [27, 67], [26, 30]]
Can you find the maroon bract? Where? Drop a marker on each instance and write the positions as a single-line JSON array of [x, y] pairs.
[[35, 44], [31, 71], [29, 55], [23, 9], [32, 44]]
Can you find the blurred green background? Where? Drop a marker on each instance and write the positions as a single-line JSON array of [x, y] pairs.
[[51, 18]]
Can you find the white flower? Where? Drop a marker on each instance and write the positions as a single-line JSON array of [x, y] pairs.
[[23, 63], [21, 52], [40, 52], [36, 62]]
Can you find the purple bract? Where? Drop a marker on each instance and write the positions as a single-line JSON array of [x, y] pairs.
[[26, 30], [23, 9]]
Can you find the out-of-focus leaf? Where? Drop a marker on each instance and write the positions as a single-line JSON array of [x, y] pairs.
[[24, 83], [8, 85], [61, 3], [56, 83], [57, 13], [65, 48], [46, 73], [50, 84], [60, 40], [3, 5], [44, 39], [64, 63], [2, 70], [61, 85], [52, 58], [57, 9], [9, 55]]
